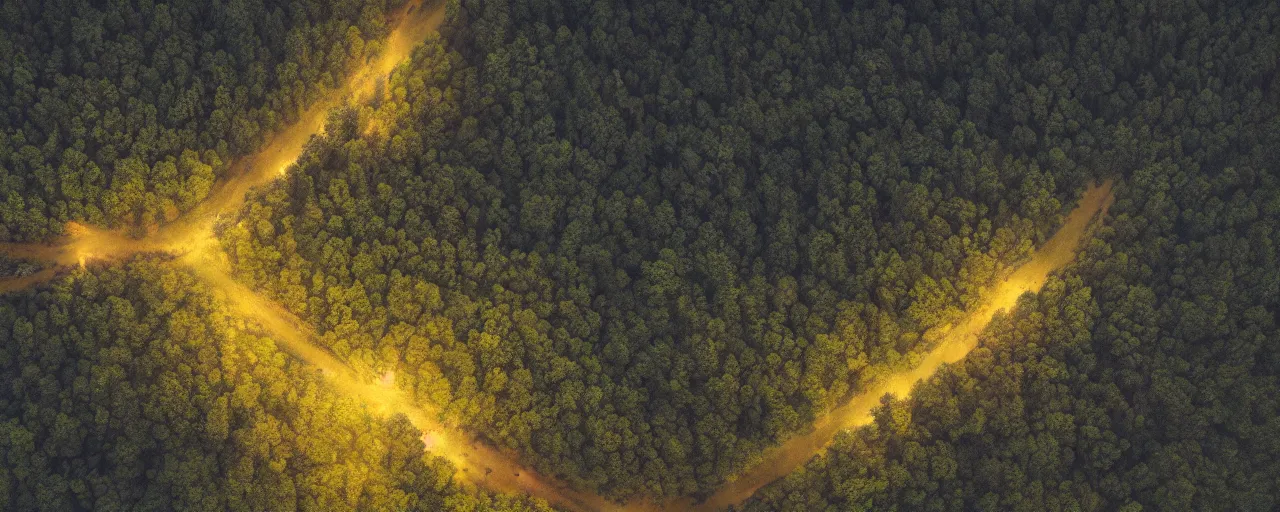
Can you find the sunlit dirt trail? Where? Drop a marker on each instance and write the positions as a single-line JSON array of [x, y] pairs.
[[783, 459]]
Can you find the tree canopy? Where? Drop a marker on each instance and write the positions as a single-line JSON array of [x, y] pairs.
[[639, 242]]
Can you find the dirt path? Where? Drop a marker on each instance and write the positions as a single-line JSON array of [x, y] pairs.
[[783, 459]]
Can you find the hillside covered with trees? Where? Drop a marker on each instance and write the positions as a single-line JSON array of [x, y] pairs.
[[130, 388], [125, 113]]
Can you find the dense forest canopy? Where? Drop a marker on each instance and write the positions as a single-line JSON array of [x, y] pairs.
[[637, 243], [131, 388], [124, 113]]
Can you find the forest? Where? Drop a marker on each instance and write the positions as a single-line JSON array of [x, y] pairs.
[[123, 114], [636, 244]]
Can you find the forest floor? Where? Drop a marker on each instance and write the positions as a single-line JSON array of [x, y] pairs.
[[192, 242]]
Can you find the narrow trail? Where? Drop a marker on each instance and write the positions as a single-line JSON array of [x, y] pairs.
[[777, 462], [191, 241]]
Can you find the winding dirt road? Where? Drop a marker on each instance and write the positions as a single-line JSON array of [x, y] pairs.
[[192, 242]]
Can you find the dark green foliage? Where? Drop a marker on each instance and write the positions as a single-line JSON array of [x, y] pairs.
[[637, 242], [131, 389], [1147, 378], [124, 113], [640, 243]]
